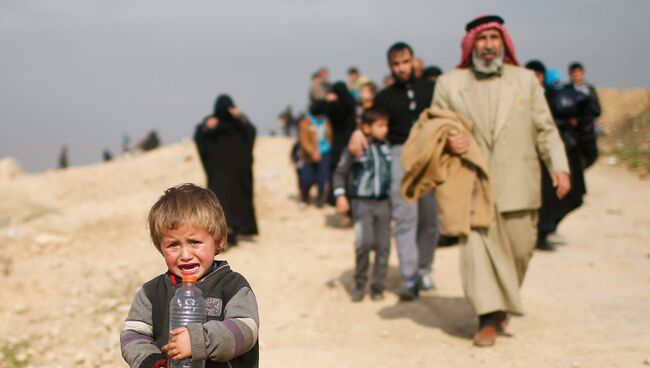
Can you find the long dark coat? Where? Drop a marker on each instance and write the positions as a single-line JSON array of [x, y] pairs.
[[588, 111], [226, 153], [553, 209], [342, 116]]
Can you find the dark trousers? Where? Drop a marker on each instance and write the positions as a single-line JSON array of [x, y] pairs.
[[315, 173], [372, 232]]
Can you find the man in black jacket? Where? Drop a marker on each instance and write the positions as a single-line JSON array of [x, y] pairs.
[[416, 229], [585, 123]]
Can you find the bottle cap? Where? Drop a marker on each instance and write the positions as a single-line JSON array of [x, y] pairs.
[[189, 278]]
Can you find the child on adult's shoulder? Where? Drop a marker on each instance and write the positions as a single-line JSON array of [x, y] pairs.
[[369, 189], [188, 227]]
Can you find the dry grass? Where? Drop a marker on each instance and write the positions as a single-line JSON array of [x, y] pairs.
[[629, 141], [14, 355]]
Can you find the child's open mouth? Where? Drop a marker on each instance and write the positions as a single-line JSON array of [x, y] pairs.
[[189, 268]]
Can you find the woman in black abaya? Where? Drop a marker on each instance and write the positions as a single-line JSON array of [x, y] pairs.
[[341, 112], [225, 144]]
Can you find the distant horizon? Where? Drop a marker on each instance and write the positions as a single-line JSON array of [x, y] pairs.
[[83, 73]]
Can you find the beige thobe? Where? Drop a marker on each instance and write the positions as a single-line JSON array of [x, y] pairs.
[[494, 260]]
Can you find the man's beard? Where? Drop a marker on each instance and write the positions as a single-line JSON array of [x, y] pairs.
[[487, 66], [399, 80]]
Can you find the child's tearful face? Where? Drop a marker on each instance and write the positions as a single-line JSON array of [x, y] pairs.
[[188, 250]]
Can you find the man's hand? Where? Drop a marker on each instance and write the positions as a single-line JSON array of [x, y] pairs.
[[562, 182], [342, 205], [357, 143], [211, 122], [316, 157], [179, 345], [457, 142]]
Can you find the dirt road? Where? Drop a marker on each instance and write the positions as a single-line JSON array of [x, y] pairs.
[[74, 249]]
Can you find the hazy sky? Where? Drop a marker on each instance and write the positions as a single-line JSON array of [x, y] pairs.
[[82, 72]]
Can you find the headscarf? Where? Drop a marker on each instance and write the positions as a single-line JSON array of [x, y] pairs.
[[479, 25], [222, 108], [318, 107], [553, 77], [340, 89]]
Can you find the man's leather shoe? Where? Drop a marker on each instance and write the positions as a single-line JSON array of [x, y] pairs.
[[502, 321], [485, 336]]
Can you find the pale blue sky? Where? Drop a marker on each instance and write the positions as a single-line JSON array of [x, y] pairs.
[[82, 72]]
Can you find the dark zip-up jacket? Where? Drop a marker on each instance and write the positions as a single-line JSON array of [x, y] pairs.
[[228, 339], [369, 174], [403, 102]]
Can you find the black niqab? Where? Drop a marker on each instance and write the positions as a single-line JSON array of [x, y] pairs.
[[222, 108]]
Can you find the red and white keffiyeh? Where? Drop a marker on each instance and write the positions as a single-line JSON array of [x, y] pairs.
[[467, 45]]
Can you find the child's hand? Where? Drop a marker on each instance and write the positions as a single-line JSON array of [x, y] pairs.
[[179, 345], [342, 205]]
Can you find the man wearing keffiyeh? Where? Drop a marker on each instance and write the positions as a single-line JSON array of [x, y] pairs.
[[513, 127]]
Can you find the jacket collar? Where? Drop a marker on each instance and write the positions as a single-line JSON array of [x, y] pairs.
[[216, 266]]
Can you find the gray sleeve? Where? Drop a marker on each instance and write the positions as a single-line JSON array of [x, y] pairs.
[[136, 337], [341, 172], [236, 335]]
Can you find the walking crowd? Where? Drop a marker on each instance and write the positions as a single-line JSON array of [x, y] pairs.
[[490, 154]]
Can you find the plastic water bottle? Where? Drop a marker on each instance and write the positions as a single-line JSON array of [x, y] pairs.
[[187, 306]]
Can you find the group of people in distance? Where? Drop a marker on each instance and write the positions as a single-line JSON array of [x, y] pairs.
[[524, 129], [575, 107], [150, 142], [473, 154]]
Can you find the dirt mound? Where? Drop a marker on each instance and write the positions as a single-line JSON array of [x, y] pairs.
[[10, 168], [629, 142], [634, 130], [626, 127], [620, 105]]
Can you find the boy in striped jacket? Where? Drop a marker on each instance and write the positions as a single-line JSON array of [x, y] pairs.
[[188, 227], [369, 178]]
